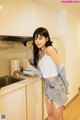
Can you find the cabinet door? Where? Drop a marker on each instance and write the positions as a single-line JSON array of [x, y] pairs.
[[27, 17], [8, 17], [13, 104], [34, 101], [45, 110]]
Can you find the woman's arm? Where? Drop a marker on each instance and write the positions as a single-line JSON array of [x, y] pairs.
[[27, 66], [60, 67], [54, 55]]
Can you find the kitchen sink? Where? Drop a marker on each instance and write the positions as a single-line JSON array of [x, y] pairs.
[[7, 80]]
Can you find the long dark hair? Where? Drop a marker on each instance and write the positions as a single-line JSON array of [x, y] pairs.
[[42, 32]]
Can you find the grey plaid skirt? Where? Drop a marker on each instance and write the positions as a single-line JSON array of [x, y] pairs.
[[55, 90]]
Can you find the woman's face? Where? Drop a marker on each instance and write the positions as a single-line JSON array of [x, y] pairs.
[[40, 41]]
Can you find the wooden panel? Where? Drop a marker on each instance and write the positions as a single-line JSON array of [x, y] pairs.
[[34, 101], [8, 17], [13, 105], [72, 110]]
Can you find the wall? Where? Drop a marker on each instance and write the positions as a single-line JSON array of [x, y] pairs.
[[18, 51], [69, 28], [72, 51]]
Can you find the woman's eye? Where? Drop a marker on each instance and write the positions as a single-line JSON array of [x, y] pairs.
[[40, 38]]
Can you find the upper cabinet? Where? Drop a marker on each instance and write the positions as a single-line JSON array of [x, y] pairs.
[[17, 17], [33, 14], [22, 17], [47, 17], [27, 17], [8, 17]]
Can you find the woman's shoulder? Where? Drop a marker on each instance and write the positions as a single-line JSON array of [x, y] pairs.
[[50, 49]]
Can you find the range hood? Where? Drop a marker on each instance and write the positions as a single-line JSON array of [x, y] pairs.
[[23, 39]]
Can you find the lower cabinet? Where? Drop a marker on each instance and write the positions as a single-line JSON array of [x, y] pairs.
[[34, 101], [24, 103], [45, 111], [13, 105]]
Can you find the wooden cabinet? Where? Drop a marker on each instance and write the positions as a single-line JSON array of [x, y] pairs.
[[23, 101], [27, 17], [18, 17], [34, 101], [48, 18], [8, 17], [22, 17], [13, 104], [45, 111]]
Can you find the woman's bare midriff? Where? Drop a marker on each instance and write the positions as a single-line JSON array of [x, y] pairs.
[[49, 78]]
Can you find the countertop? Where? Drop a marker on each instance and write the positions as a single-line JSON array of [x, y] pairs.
[[12, 87]]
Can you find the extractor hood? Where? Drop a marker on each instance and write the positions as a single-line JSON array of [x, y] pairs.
[[23, 39]]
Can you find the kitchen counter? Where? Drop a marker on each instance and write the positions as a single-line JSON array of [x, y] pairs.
[[22, 100], [27, 81]]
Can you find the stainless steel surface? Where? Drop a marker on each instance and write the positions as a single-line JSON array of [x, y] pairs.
[[16, 73], [7, 80]]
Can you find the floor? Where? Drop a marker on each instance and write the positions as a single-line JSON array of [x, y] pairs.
[[72, 110]]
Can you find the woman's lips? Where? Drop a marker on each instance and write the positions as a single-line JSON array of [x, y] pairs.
[[38, 44]]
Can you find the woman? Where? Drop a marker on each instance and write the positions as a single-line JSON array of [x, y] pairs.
[[48, 66]]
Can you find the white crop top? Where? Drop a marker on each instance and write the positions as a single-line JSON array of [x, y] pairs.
[[47, 67]]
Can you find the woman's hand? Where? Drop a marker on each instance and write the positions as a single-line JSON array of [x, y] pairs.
[[25, 63]]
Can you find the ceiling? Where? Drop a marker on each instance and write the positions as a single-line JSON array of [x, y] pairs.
[[58, 5]]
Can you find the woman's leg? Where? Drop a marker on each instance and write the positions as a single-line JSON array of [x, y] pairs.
[[61, 109], [59, 112], [50, 105], [54, 112]]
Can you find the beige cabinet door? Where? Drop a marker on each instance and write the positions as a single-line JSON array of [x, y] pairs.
[[13, 105], [27, 17], [34, 101], [8, 17]]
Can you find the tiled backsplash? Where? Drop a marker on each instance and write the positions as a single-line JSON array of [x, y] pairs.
[[18, 51]]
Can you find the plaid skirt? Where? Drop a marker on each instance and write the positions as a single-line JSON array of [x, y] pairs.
[[55, 90]]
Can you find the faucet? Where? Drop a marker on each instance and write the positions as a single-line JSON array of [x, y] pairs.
[[16, 73]]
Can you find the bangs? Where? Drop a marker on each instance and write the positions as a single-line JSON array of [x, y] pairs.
[[37, 35], [41, 32]]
